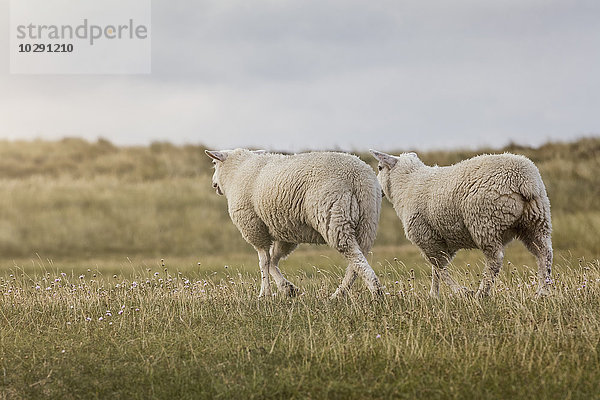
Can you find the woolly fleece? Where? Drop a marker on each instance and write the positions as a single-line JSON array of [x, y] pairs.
[[278, 201], [483, 202]]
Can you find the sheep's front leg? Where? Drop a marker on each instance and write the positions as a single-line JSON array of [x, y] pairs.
[[264, 261], [279, 251], [494, 258], [454, 286], [439, 261]]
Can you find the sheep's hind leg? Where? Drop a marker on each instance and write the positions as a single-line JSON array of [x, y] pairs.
[[358, 266], [264, 259], [338, 230], [494, 257], [541, 248], [279, 251], [435, 282]]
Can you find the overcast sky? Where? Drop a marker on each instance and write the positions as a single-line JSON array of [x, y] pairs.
[[347, 74]]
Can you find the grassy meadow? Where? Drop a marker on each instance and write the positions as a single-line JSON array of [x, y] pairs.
[[123, 277]]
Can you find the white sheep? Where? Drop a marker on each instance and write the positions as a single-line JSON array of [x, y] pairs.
[[483, 202], [278, 201]]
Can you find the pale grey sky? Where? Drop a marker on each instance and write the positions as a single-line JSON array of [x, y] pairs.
[[314, 74]]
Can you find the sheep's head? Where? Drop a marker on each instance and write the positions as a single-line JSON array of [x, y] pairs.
[[391, 166], [218, 158]]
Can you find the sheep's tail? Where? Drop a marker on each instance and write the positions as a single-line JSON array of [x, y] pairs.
[[536, 208], [368, 198]]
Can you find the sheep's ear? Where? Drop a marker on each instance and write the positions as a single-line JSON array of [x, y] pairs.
[[216, 155], [259, 151], [412, 154], [386, 159]]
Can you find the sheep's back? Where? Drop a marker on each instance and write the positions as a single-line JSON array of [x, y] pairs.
[[497, 175], [484, 190], [294, 193]]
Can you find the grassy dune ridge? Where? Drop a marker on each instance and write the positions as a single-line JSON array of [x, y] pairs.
[[121, 276], [79, 199]]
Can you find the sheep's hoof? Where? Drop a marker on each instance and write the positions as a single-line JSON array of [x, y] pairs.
[[480, 294], [542, 292], [465, 291], [434, 295], [290, 290]]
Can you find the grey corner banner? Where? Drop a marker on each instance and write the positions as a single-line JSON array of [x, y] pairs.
[[80, 37]]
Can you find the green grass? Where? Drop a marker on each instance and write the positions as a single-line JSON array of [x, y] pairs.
[[184, 331]]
